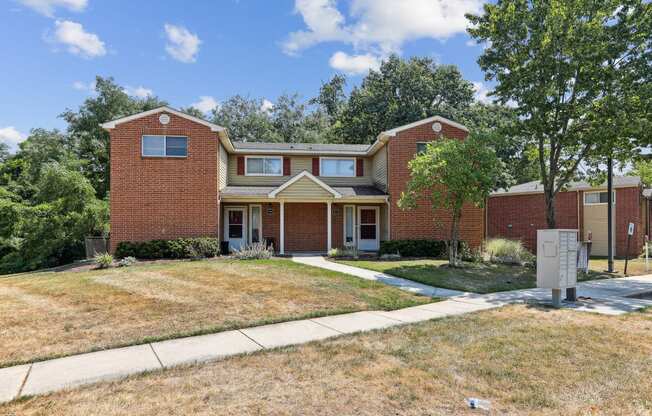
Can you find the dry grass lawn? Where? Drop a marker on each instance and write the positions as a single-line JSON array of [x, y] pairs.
[[524, 360], [44, 315]]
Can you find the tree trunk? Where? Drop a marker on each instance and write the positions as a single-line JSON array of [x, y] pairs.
[[454, 242], [549, 196]]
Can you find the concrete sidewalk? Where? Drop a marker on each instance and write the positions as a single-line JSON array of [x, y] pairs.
[[403, 284], [608, 297]]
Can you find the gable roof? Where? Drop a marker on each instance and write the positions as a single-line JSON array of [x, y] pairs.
[[266, 147], [304, 174], [164, 109], [536, 186]]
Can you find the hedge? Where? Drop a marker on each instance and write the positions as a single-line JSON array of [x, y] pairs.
[[180, 248], [417, 248]]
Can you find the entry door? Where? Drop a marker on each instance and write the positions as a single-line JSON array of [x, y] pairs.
[[235, 222], [368, 228]]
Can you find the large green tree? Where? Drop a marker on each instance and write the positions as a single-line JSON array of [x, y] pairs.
[[109, 102], [453, 173], [578, 74]]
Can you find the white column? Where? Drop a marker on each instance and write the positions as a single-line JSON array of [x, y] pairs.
[[282, 243], [329, 243]]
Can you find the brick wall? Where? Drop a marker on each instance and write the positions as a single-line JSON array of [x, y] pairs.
[[305, 227], [154, 198], [526, 214], [422, 223]]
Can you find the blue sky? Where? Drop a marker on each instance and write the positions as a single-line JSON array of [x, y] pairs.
[[182, 51]]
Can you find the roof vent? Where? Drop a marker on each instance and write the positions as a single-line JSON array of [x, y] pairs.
[[164, 119], [436, 127]]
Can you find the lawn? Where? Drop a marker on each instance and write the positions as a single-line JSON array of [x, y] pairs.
[[523, 360], [481, 277], [43, 315]]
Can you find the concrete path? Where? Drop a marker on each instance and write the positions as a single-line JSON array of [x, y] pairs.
[[609, 297], [403, 284]]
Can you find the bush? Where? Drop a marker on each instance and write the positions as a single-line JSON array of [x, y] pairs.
[[502, 250], [103, 260], [414, 248], [350, 251], [180, 248], [255, 251], [127, 261]]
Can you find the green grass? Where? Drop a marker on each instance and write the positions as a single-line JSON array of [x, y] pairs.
[[472, 277]]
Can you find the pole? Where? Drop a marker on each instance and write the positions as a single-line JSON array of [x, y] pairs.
[[629, 237], [610, 251]]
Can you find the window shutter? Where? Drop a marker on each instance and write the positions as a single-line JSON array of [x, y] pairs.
[[286, 166], [241, 167], [315, 166], [359, 167]]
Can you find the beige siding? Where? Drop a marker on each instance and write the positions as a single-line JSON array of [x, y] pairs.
[[224, 167], [595, 221], [305, 188], [380, 168], [384, 226], [297, 165]]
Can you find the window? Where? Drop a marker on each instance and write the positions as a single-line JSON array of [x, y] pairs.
[[236, 218], [597, 197], [165, 146], [421, 147], [255, 224], [349, 224], [337, 167], [264, 166]]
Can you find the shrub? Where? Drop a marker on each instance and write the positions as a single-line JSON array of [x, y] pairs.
[[103, 260], [255, 251], [502, 250], [414, 248], [349, 251], [180, 248], [127, 261]]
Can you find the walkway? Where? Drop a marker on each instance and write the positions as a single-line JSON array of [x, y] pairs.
[[403, 284], [607, 296]]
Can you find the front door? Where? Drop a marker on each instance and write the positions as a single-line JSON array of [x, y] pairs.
[[235, 221], [368, 228]]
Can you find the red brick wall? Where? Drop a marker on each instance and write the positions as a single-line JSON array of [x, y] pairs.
[[154, 198], [422, 223], [271, 220], [526, 214], [305, 227]]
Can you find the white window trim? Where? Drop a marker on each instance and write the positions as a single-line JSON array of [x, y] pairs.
[[377, 239], [165, 145], [251, 223], [245, 226], [613, 198], [355, 239], [262, 157], [355, 167]]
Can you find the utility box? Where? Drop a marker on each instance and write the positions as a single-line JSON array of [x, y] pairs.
[[556, 261]]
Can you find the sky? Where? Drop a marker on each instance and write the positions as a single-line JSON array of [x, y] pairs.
[[201, 52]]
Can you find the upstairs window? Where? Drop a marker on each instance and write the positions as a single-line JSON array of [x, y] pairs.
[[337, 167], [421, 147], [591, 198], [263, 166], [165, 146]]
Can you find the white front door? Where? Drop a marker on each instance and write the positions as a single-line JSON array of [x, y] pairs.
[[368, 228], [235, 226]]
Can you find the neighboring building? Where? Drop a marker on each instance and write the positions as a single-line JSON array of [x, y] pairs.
[[520, 211], [174, 175]]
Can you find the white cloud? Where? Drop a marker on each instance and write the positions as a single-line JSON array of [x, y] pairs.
[[78, 41], [11, 137], [205, 104], [84, 86], [266, 106], [481, 92], [140, 92], [182, 45], [354, 64], [380, 26], [47, 7]]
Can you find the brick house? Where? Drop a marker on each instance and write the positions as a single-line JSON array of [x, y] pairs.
[[519, 211], [174, 175]]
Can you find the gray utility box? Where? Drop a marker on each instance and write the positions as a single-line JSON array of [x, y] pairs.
[[556, 260]]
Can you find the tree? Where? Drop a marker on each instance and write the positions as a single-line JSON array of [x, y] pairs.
[[4, 152], [92, 141], [400, 92], [245, 120], [578, 73], [643, 168], [453, 173], [193, 111]]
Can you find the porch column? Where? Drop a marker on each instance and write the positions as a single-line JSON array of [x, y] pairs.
[[329, 243], [282, 227]]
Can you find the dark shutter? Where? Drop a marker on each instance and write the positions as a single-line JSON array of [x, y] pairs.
[[286, 166], [241, 166], [315, 166], [359, 167]]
